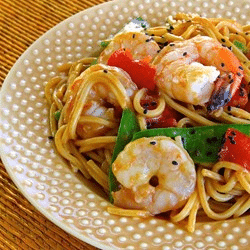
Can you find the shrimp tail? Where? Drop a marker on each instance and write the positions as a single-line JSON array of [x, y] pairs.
[[223, 92]]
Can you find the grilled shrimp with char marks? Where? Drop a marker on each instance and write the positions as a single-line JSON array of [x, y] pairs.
[[198, 71], [156, 174]]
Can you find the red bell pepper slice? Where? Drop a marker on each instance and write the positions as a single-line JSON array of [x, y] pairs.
[[169, 117], [240, 98], [236, 148], [140, 71]]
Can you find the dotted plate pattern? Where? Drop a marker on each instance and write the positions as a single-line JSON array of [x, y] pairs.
[[43, 177]]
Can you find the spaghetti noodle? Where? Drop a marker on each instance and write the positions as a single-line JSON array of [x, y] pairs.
[[86, 101]]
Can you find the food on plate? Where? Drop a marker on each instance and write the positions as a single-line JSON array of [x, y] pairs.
[[160, 120]]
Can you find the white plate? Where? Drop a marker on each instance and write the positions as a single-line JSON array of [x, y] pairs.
[[42, 176]]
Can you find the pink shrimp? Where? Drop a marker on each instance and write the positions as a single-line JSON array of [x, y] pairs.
[[198, 71]]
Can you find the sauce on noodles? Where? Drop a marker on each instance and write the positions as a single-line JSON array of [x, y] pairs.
[[87, 98]]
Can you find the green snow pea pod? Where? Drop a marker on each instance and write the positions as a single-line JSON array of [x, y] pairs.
[[128, 127], [202, 143]]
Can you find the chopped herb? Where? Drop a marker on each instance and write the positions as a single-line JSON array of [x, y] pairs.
[[104, 44], [94, 62], [57, 115], [240, 46]]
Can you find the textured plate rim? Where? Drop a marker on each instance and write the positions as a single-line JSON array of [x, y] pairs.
[[2, 153]]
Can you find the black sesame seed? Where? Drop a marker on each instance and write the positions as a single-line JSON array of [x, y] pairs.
[[133, 36], [185, 53], [51, 137], [240, 67], [233, 133], [233, 141], [231, 81], [246, 33], [105, 71], [238, 106], [154, 181], [171, 27], [209, 140], [153, 142], [224, 45], [145, 104], [158, 51], [222, 64], [229, 108], [145, 111], [171, 44], [148, 124], [223, 40], [192, 131], [175, 163], [214, 139], [153, 103], [229, 76], [230, 47], [238, 73]]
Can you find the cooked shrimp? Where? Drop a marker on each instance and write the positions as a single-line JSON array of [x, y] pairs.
[[198, 71], [140, 45], [101, 100], [156, 174]]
